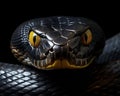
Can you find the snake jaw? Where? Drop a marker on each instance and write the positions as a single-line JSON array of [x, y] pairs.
[[62, 64], [49, 63]]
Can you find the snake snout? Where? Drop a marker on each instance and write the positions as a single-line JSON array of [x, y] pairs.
[[60, 52]]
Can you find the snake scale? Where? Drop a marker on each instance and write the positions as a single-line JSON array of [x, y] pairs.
[[70, 57]]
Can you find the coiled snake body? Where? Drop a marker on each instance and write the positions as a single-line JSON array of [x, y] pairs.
[[62, 43]]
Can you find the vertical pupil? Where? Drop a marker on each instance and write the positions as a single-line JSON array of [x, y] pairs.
[[85, 37], [34, 39]]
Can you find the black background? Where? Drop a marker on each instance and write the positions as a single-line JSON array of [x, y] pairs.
[[105, 14]]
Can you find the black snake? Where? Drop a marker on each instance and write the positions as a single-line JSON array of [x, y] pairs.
[[88, 65]]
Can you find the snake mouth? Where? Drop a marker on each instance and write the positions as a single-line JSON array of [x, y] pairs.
[[65, 64], [48, 63]]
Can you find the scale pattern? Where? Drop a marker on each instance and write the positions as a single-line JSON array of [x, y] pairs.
[[100, 80]]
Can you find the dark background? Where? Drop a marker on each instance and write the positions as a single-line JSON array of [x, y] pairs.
[[105, 14]]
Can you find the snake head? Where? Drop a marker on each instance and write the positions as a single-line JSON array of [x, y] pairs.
[[58, 42]]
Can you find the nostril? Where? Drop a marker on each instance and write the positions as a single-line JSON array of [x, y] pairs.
[[47, 52], [51, 49]]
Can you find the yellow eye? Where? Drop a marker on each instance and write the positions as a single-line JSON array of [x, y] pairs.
[[34, 39], [86, 37]]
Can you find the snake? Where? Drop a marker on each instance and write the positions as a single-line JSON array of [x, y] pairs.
[[62, 56]]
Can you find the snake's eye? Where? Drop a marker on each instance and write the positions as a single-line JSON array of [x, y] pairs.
[[34, 39], [86, 37]]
